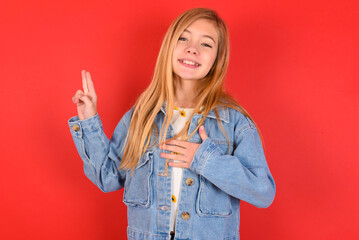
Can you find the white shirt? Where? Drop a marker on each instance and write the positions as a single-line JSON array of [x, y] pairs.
[[180, 117]]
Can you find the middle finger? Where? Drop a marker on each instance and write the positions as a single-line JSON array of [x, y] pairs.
[[173, 156], [173, 148], [84, 82]]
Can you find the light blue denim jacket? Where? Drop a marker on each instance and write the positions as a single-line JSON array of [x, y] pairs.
[[209, 202]]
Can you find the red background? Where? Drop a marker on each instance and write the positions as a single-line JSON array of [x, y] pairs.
[[294, 67]]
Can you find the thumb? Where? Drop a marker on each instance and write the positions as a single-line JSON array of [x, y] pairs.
[[202, 133], [85, 99]]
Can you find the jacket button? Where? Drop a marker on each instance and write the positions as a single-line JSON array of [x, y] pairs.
[[163, 208], [185, 215], [75, 127], [189, 181]]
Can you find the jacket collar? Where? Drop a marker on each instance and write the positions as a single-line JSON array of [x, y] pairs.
[[223, 113]]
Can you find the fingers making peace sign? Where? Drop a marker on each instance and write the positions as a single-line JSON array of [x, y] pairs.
[[86, 99]]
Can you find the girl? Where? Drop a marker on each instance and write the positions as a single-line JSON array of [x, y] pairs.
[[186, 153]]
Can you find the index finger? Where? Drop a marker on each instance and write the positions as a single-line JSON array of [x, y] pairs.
[[90, 86], [84, 82], [180, 143]]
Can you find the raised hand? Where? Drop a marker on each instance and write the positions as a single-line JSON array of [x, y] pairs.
[[182, 152], [86, 100]]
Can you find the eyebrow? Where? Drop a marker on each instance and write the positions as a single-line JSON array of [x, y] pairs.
[[207, 36]]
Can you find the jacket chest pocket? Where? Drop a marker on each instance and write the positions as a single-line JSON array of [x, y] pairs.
[[138, 185], [211, 201]]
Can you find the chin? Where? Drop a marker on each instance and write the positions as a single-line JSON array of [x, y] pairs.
[[193, 77], [189, 78]]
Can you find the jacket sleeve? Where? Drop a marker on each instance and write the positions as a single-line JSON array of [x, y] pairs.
[[101, 157], [244, 174]]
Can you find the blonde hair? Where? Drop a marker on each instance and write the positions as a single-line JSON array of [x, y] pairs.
[[210, 92]]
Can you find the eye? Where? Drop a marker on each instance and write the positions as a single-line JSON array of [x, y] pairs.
[[182, 39], [206, 45]]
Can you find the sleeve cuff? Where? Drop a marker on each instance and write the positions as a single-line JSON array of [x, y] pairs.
[[79, 127], [206, 149]]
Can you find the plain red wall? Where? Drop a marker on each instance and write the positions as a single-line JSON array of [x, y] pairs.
[[294, 67]]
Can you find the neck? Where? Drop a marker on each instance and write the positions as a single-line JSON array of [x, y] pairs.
[[185, 96]]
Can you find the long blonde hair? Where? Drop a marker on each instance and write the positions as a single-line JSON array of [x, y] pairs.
[[210, 92]]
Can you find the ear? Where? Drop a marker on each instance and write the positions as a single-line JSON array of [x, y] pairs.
[[202, 133]]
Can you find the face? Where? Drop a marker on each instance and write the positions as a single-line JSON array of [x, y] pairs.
[[196, 50]]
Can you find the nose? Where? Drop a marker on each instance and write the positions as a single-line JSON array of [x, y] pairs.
[[192, 50]]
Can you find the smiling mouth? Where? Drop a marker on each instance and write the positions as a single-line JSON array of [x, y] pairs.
[[188, 62]]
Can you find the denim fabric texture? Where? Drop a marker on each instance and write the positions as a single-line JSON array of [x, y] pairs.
[[222, 174]]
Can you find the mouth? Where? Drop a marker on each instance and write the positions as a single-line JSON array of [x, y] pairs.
[[189, 63]]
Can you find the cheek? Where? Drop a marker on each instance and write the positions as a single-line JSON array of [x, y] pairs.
[[214, 56], [174, 58], [211, 59], [175, 55]]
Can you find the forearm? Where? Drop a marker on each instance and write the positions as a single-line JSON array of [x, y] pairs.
[[98, 153], [243, 176]]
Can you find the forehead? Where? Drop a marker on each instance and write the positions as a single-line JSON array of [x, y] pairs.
[[203, 27]]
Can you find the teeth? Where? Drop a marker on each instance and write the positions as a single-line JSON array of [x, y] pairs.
[[190, 63]]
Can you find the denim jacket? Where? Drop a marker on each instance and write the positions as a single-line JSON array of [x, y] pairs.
[[211, 188]]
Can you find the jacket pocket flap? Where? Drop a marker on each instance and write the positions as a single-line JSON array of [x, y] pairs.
[[143, 160]]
